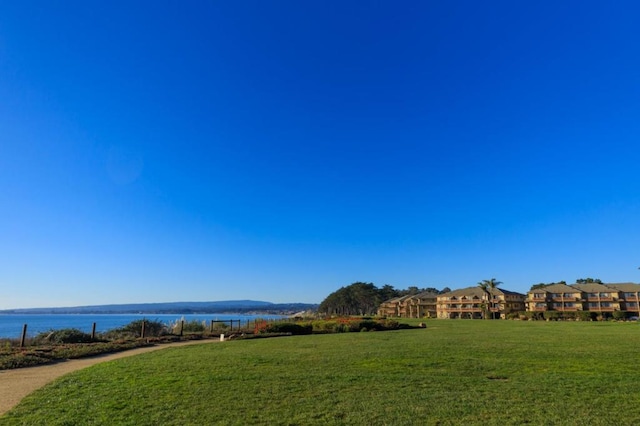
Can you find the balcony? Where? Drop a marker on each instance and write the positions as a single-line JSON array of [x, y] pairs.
[[601, 299], [566, 299], [603, 309], [451, 309]]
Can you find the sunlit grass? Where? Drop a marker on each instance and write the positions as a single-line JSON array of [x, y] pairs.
[[452, 372]]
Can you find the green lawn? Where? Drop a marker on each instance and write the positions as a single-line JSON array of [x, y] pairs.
[[453, 372]]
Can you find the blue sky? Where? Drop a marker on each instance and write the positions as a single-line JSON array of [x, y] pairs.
[[156, 151]]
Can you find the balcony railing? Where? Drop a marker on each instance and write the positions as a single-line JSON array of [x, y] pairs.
[[450, 309], [602, 309]]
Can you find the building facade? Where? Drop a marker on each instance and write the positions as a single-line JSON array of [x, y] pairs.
[[593, 297], [422, 305], [474, 303]]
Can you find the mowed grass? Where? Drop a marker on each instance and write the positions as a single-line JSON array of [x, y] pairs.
[[452, 372]]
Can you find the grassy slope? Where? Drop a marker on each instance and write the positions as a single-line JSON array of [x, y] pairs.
[[454, 372]]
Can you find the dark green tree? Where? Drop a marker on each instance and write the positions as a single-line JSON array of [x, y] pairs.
[[588, 281], [388, 292], [356, 299]]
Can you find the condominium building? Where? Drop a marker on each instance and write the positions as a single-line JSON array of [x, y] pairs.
[[594, 297], [474, 303], [419, 305], [395, 307]]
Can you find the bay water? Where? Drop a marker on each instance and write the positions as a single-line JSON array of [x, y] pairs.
[[11, 324]]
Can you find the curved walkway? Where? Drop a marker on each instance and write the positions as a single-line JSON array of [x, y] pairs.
[[17, 383]]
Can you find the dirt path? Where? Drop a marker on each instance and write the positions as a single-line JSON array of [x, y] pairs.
[[20, 382]]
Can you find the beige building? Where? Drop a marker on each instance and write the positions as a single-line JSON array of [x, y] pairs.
[[422, 305], [393, 307], [473, 302], [593, 297]]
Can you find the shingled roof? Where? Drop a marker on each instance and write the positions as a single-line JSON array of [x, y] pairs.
[[478, 292]]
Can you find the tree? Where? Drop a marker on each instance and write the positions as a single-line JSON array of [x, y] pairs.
[[388, 292], [487, 287], [588, 281], [356, 299]]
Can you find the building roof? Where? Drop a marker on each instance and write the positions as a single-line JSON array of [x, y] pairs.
[[592, 287], [426, 295], [627, 287], [477, 292], [468, 292], [397, 299], [588, 288], [556, 288]]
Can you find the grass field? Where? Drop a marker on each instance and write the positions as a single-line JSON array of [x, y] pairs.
[[452, 372]]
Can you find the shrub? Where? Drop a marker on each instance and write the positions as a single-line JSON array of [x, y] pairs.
[[65, 335], [390, 324], [290, 327], [134, 330], [619, 315], [551, 316], [192, 326], [585, 316]]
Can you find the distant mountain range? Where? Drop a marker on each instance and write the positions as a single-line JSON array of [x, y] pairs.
[[220, 307]]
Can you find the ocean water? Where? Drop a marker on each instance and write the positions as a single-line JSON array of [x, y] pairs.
[[11, 324]]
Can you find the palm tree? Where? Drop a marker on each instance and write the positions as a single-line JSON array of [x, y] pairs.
[[487, 286], [485, 290]]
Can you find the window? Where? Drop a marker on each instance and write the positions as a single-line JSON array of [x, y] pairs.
[[556, 295], [605, 294], [568, 295], [593, 295], [632, 305], [538, 295], [606, 304], [557, 305], [593, 304], [568, 305], [630, 295]]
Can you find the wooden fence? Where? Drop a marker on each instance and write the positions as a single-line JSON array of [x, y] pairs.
[[232, 324]]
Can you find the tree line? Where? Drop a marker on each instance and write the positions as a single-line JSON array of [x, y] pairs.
[[362, 298]]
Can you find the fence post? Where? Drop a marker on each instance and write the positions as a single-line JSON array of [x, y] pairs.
[[93, 331], [211, 327], [24, 335], [143, 329], [181, 327]]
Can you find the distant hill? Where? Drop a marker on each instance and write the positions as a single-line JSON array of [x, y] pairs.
[[220, 307]]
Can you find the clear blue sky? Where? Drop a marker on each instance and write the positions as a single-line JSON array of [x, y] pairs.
[[172, 151]]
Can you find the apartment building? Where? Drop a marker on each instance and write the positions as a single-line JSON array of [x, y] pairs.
[[421, 305], [594, 297], [473, 303]]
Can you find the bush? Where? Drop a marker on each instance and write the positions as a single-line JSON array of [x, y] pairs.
[[619, 315], [134, 329], [192, 326], [290, 327], [66, 335], [585, 316]]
